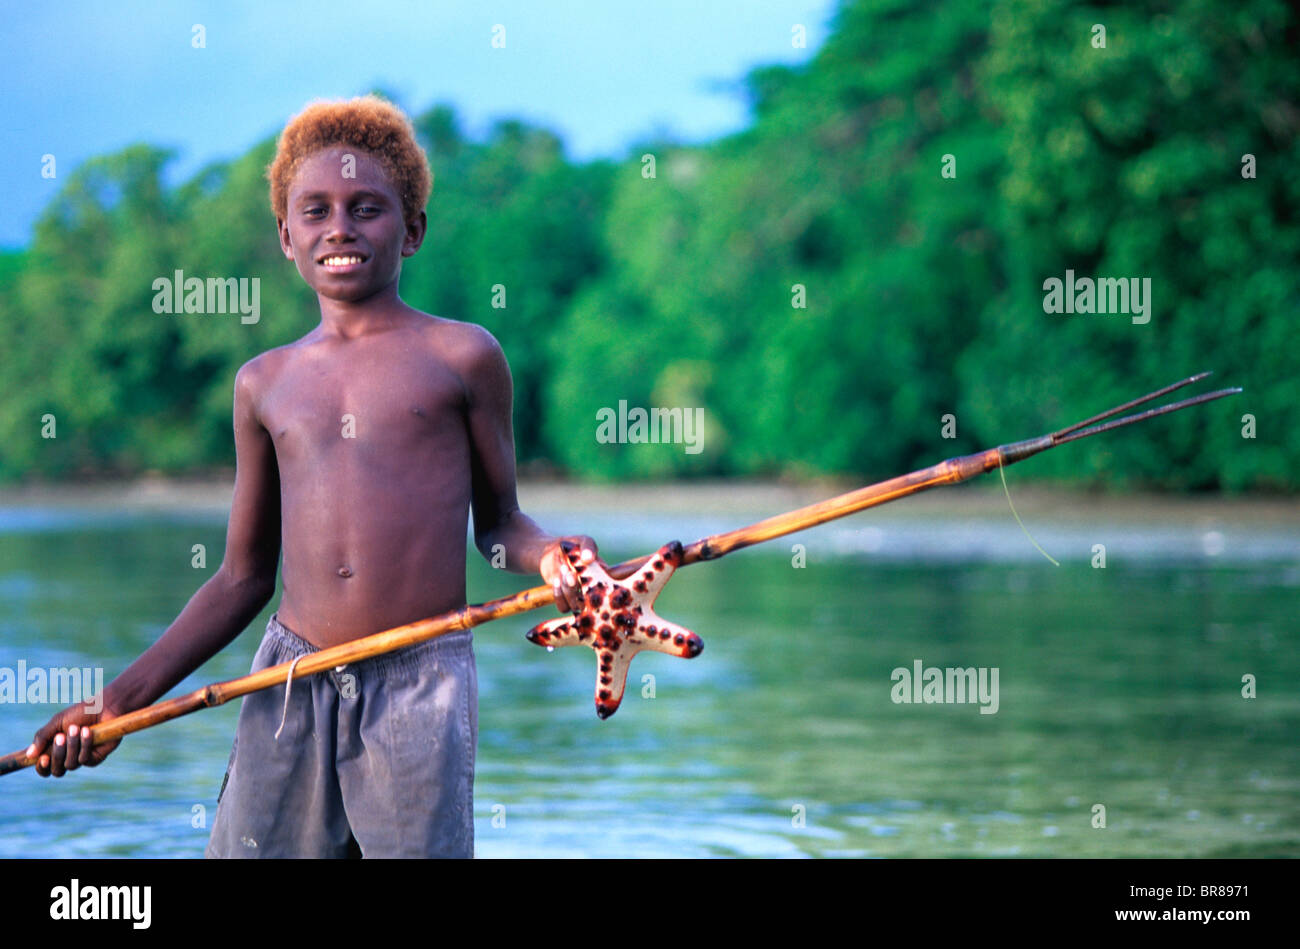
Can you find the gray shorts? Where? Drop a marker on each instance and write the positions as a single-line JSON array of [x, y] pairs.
[[376, 758]]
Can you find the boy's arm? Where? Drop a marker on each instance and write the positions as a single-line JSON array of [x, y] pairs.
[[497, 518], [214, 616]]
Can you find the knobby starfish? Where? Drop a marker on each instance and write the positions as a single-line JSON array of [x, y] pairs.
[[617, 619]]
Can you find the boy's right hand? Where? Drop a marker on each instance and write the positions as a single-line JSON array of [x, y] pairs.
[[62, 746]]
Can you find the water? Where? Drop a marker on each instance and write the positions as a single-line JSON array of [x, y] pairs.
[[1118, 687]]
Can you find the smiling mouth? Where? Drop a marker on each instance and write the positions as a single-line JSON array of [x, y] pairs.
[[342, 262]]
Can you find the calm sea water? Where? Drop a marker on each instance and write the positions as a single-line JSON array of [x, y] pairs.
[[1119, 687]]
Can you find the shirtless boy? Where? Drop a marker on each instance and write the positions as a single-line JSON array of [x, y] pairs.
[[360, 448]]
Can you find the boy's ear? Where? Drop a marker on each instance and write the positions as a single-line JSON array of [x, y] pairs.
[[282, 230], [415, 231]]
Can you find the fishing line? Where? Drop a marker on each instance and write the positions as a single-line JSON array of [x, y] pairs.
[[1003, 475]]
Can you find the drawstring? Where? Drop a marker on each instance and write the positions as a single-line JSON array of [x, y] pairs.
[[288, 685]]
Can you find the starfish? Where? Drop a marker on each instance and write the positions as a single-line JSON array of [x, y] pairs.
[[617, 620]]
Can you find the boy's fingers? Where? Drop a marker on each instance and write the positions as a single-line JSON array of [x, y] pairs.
[[73, 755], [43, 766], [56, 755], [567, 587]]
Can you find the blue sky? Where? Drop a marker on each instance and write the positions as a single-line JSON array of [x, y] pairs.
[[82, 79]]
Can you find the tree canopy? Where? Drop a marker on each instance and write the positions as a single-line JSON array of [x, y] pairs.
[[867, 257]]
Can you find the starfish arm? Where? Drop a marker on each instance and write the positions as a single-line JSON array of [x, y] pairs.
[[654, 632], [654, 573], [561, 631], [611, 678]]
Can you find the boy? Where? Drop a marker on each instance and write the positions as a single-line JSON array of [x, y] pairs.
[[361, 448]]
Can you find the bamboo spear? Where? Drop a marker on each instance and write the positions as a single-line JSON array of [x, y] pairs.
[[952, 471]]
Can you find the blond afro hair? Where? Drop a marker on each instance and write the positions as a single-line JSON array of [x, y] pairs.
[[367, 123]]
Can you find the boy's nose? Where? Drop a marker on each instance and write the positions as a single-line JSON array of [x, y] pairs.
[[341, 228]]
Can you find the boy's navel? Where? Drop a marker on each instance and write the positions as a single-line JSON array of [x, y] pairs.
[[345, 571]]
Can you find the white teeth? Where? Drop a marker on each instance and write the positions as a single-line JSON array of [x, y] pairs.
[[340, 261]]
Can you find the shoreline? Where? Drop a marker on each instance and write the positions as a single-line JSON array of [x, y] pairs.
[[212, 494]]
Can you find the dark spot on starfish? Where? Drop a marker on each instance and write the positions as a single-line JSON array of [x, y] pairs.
[[604, 615], [641, 586], [664, 634], [605, 680], [605, 631], [583, 635], [595, 598], [603, 713], [679, 639], [621, 598], [651, 630], [659, 564], [604, 695], [694, 647]]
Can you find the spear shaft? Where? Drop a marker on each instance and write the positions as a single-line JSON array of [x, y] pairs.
[[951, 471]]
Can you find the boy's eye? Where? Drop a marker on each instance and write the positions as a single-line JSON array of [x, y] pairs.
[[365, 210]]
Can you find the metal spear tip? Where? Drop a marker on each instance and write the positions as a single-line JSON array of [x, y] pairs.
[[1075, 433], [1059, 437]]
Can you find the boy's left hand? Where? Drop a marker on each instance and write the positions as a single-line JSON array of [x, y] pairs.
[[559, 573]]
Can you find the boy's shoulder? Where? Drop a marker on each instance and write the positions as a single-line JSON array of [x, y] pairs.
[[465, 346], [252, 376], [472, 353]]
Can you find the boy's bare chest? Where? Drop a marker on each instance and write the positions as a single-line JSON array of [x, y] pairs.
[[386, 398]]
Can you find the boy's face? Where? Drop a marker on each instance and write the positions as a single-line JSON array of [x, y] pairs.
[[347, 234]]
